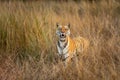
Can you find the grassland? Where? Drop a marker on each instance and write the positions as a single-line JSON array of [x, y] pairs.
[[28, 39]]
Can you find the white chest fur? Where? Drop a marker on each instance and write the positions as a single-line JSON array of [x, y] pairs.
[[63, 49]]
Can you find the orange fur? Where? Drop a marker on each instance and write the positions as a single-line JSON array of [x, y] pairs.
[[67, 46]]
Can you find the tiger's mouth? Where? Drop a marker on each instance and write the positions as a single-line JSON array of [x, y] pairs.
[[62, 35]]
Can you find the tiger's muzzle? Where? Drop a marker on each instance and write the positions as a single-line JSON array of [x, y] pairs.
[[62, 35]]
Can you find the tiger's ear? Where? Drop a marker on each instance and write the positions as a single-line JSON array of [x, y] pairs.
[[68, 25], [57, 24]]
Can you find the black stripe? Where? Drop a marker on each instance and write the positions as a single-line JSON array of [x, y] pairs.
[[58, 43], [64, 45], [65, 58], [62, 40]]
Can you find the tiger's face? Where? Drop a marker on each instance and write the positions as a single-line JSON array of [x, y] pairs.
[[63, 31]]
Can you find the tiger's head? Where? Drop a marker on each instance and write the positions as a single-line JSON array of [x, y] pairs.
[[63, 31]]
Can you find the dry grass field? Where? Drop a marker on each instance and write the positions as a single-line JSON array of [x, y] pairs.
[[28, 39]]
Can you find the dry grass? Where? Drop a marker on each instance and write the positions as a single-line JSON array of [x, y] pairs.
[[28, 39]]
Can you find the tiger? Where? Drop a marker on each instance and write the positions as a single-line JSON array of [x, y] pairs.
[[68, 47]]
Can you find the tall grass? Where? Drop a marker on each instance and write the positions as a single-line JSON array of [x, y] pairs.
[[28, 39]]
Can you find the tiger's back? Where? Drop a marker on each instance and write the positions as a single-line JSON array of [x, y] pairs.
[[81, 44], [77, 45]]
